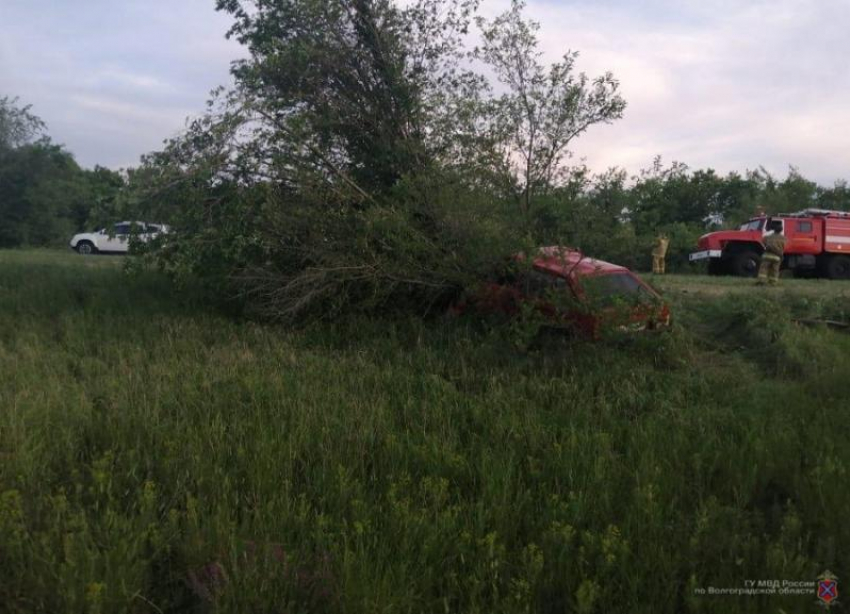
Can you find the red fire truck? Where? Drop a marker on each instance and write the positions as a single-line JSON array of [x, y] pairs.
[[817, 243]]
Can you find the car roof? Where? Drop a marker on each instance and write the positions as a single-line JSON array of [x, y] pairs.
[[564, 261]]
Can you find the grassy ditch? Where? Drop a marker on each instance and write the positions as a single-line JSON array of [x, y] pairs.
[[159, 457]]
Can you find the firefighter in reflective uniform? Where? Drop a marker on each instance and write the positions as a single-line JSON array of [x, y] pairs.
[[659, 254], [771, 259]]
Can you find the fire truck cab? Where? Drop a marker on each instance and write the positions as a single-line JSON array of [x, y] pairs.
[[817, 243]]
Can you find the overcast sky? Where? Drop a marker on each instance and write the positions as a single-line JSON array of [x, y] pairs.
[[724, 84]]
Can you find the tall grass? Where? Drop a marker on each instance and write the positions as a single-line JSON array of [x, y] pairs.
[[159, 457]]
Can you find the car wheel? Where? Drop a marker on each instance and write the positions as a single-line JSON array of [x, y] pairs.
[[838, 267], [86, 248], [745, 264]]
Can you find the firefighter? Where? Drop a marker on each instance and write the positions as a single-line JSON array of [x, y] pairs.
[[774, 250], [659, 253]]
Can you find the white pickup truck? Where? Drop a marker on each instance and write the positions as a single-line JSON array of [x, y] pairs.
[[117, 239]]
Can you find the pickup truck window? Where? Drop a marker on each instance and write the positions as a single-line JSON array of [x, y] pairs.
[[537, 283]]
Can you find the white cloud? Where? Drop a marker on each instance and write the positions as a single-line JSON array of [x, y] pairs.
[[112, 80], [114, 76], [728, 84], [125, 111]]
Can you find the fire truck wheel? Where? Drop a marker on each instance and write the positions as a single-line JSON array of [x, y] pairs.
[[838, 267], [745, 264], [716, 267]]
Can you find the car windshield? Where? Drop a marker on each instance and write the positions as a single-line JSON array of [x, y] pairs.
[[609, 288], [754, 225]]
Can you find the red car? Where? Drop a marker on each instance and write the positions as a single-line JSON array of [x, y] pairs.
[[574, 292]]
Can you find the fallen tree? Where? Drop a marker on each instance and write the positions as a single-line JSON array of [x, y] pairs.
[[360, 161]]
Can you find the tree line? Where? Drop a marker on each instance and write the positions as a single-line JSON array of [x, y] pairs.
[[45, 196], [368, 157]]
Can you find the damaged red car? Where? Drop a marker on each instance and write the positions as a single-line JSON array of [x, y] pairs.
[[580, 294]]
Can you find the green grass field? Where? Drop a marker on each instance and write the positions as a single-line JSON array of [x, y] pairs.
[[158, 456]]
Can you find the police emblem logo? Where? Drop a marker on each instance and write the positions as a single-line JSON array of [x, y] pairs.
[[828, 589]]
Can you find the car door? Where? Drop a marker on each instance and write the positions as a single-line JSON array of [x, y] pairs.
[[802, 237], [117, 239], [551, 294], [151, 232]]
